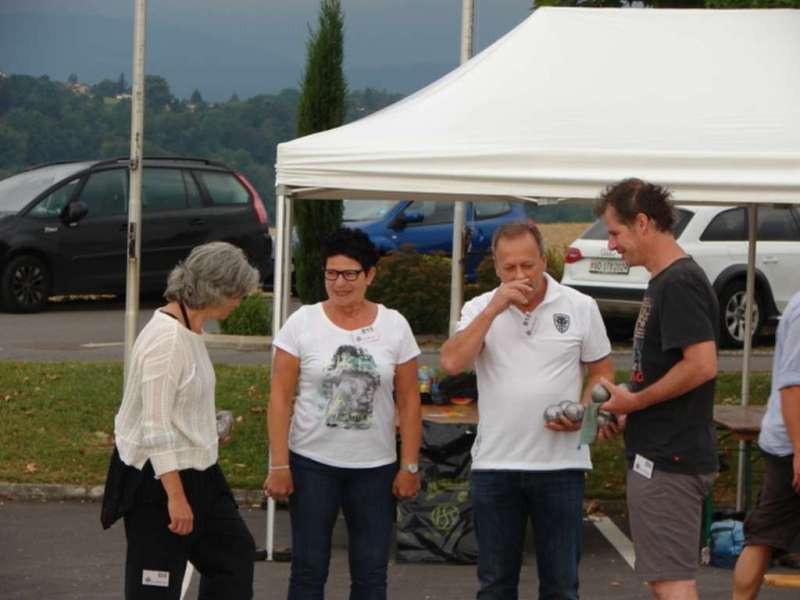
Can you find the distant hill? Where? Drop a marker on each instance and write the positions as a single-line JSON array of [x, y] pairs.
[[42, 120]]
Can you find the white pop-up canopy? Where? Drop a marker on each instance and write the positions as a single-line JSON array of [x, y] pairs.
[[705, 102]]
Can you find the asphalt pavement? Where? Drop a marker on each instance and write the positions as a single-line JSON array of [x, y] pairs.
[[57, 550], [95, 331]]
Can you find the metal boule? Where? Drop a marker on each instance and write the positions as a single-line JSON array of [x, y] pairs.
[[600, 394], [552, 413], [574, 411], [224, 423]]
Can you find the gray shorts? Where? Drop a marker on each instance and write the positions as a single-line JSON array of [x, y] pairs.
[[665, 514]]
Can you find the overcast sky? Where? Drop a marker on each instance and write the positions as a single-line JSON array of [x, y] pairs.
[[246, 46]]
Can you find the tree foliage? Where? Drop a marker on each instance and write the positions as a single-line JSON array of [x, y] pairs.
[[322, 106], [45, 121]]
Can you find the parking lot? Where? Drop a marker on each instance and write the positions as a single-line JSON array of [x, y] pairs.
[[58, 550]]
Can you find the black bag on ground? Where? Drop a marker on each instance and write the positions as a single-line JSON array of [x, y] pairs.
[[436, 526]]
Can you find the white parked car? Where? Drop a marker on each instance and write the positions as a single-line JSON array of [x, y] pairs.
[[716, 237]]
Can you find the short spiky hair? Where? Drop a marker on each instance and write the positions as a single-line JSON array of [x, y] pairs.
[[630, 197], [352, 243]]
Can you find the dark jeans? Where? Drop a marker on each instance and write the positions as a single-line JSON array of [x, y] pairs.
[[502, 501], [365, 497]]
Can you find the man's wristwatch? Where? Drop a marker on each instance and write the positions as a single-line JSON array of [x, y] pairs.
[[412, 468]]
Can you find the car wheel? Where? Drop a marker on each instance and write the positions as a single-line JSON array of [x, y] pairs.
[[732, 313], [25, 284]]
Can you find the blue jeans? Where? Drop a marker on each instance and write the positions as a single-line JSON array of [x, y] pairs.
[[502, 501], [366, 499]]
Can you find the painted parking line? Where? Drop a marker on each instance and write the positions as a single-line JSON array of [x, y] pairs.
[[616, 538]]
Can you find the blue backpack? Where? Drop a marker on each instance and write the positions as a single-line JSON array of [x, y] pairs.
[[727, 541]]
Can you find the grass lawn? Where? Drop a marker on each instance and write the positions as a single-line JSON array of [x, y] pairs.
[[56, 421]]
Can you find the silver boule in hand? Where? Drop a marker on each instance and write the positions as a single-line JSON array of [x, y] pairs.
[[224, 423], [552, 413]]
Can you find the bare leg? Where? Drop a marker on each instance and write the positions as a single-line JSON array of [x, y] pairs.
[[750, 568], [684, 589]]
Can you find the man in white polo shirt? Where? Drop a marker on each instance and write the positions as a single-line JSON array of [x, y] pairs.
[[529, 340]]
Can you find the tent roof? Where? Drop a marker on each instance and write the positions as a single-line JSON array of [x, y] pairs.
[[704, 101]]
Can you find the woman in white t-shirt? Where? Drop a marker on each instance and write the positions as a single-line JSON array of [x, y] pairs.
[[164, 479], [334, 446]]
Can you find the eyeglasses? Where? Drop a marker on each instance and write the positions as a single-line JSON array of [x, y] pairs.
[[348, 274]]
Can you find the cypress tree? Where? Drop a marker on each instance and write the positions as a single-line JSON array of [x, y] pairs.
[[322, 106]]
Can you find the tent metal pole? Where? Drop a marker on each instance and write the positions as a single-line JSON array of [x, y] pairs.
[[752, 220], [288, 224], [460, 208], [278, 299], [134, 234]]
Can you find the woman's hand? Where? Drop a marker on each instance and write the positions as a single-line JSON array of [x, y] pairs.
[[181, 518], [406, 485], [279, 485]]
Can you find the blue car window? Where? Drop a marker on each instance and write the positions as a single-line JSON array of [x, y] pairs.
[[434, 213], [490, 210]]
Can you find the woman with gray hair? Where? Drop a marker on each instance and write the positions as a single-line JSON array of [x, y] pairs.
[[164, 479]]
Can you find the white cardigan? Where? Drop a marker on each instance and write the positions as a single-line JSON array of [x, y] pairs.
[[167, 414]]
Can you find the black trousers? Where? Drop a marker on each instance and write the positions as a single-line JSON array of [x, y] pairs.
[[220, 546]]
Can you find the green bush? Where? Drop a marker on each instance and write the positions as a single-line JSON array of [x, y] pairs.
[[418, 286], [555, 261], [253, 316]]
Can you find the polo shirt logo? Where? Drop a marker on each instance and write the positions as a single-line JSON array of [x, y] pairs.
[[561, 321]]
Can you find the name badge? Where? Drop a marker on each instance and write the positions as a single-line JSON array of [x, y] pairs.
[[365, 335], [155, 578], [643, 466]]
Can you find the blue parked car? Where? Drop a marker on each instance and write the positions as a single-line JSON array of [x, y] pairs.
[[428, 225]]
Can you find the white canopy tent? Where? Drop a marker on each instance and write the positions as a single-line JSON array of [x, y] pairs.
[[705, 102]]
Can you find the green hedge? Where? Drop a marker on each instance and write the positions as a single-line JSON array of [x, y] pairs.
[[418, 285], [253, 316]]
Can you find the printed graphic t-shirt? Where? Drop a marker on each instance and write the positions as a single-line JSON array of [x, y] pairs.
[[344, 413], [679, 309]]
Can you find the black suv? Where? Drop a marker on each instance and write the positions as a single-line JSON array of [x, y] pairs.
[[63, 225]]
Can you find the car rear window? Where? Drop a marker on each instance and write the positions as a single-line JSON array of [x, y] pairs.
[[598, 230], [224, 188], [775, 224]]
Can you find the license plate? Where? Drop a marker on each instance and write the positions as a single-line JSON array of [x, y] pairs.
[[608, 267]]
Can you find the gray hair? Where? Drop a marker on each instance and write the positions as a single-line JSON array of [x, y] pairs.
[[516, 229], [212, 274]]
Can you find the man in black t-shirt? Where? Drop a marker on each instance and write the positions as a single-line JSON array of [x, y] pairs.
[[669, 433]]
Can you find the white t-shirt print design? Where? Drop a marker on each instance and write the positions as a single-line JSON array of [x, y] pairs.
[[349, 385]]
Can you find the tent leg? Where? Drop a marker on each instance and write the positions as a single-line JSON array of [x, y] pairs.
[[457, 264], [752, 219], [279, 311]]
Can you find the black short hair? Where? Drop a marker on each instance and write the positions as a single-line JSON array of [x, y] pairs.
[[632, 196], [352, 243]]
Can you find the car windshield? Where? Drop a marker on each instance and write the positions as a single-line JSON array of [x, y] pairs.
[[598, 230], [18, 190], [366, 210]]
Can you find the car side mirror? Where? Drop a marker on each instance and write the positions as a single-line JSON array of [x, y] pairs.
[[74, 212]]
